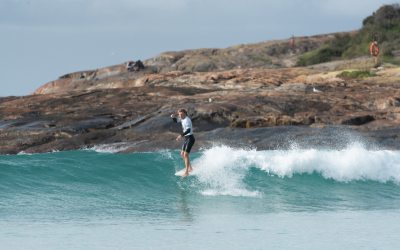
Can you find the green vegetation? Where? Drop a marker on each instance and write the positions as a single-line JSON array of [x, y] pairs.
[[315, 56], [358, 74], [385, 23], [389, 59], [260, 59]]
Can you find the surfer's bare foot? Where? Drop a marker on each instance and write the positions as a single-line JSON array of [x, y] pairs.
[[185, 174], [190, 169]]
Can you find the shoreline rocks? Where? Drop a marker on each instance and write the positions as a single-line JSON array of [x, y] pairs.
[[238, 96], [247, 106]]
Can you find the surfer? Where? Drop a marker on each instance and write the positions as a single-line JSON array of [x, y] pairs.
[[189, 138]]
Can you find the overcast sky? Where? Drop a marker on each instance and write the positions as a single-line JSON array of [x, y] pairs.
[[44, 39]]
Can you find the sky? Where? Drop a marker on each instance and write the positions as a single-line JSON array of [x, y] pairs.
[[41, 40]]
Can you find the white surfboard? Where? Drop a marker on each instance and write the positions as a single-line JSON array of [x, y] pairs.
[[195, 167]]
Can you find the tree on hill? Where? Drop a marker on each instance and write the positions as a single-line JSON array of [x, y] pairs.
[[384, 23]]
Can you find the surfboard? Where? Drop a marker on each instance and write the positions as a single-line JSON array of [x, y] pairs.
[[181, 172]]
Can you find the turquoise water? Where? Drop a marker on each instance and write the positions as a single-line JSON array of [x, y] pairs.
[[238, 199]]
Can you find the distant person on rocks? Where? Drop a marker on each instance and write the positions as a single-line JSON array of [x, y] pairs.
[[189, 138], [129, 66], [138, 65]]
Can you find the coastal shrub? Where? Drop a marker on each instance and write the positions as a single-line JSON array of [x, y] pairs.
[[385, 23], [305, 59], [372, 74], [387, 14], [358, 74], [369, 20], [327, 52], [391, 59]]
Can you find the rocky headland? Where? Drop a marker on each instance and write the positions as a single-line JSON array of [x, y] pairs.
[[247, 96]]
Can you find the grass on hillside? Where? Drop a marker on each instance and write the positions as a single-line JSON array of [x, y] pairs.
[[260, 59], [390, 59], [314, 57], [385, 23], [358, 74]]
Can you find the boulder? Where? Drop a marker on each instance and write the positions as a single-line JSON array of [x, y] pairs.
[[305, 118], [387, 102], [343, 120]]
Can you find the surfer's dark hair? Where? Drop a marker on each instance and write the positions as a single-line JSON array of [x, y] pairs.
[[183, 111]]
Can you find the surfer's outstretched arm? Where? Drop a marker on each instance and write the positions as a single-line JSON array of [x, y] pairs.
[[174, 119]]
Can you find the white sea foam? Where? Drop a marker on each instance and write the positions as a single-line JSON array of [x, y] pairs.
[[223, 169], [113, 147], [110, 148], [353, 163]]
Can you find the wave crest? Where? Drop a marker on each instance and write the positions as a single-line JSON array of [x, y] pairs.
[[224, 169]]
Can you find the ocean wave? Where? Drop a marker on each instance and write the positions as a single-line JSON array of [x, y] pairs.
[[223, 169]]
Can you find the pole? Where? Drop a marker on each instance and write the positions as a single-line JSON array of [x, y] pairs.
[[292, 42], [376, 57]]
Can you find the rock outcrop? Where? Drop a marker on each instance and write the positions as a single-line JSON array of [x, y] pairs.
[[258, 104], [265, 55], [267, 109]]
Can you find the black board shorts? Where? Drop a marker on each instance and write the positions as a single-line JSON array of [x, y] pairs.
[[188, 144]]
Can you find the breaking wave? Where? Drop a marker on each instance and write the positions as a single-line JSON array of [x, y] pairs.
[[223, 170]]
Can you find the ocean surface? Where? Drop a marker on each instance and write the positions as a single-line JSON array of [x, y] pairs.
[[237, 199]]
